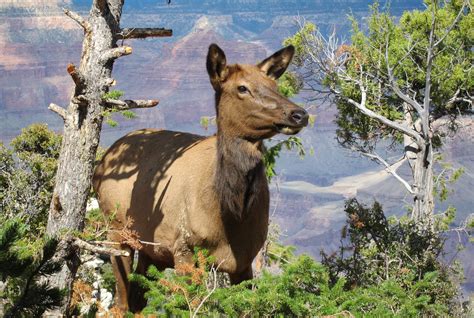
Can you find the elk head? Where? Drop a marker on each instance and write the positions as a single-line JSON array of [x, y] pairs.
[[248, 104]]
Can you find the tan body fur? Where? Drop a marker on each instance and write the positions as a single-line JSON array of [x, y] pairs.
[[184, 191], [168, 195]]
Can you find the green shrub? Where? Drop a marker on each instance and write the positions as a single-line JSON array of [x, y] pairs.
[[22, 267], [385, 268], [303, 289], [377, 252], [27, 176]]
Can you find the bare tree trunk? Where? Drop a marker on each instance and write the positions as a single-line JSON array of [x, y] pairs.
[[83, 122], [423, 207], [421, 164]]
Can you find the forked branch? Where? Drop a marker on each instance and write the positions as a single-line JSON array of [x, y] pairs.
[[394, 85], [384, 120], [390, 169]]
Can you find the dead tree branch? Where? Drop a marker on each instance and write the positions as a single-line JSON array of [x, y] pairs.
[[109, 82], [58, 110], [450, 28], [130, 104], [214, 287], [394, 85], [80, 20], [390, 169], [115, 53], [362, 107], [142, 33], [99, 249], [76, 76], [83, 122]]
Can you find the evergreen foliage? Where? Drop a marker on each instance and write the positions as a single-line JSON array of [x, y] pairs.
[[273, 152], [27, 172], [303, 289], [405, 43], [375, 250], [23, 266], [289, 84], [27, 176], [127, 114], [383, 269]]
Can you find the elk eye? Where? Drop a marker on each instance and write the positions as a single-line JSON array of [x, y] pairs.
[[242, 89]]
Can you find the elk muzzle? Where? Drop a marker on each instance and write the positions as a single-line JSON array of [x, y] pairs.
[[296, 120]]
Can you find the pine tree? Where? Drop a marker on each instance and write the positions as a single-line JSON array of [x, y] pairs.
[[26, 293], [407, 81]]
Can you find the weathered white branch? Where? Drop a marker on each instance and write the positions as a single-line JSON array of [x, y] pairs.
[[393, 84], [427, 92], [461, 99], [362, 107], [450, 28], [80, 20], [456, 99], [58, 110], [99, 249], [130, 104], [214, 287], [389, 168], [142, 33], [115, 53], [118, 243], [429, 66]]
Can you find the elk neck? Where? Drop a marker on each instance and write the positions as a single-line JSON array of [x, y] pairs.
[[239, 173]]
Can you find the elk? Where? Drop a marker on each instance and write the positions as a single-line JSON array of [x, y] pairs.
[[185, 191]]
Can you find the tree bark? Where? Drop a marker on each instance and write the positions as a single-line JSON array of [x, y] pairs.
[[421, 164], [82, 126], [423, 207]]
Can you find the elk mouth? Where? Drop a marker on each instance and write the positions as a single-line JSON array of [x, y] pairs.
[[296, 120], [288, 129]]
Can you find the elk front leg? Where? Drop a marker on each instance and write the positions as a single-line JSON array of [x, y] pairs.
[[136, 297], [122, 267], [237, 278]]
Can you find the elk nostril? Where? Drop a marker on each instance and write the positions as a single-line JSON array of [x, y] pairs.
[[299, 116]]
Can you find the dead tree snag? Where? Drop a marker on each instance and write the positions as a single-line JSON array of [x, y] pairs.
[[83, 118]]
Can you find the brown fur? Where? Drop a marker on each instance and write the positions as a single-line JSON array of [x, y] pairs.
[[184, 190]]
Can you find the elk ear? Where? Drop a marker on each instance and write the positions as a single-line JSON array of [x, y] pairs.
[[275, 65], [216, 65]]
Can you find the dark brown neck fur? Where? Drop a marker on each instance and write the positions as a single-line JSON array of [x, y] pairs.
[[238, 172]]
